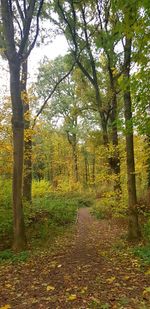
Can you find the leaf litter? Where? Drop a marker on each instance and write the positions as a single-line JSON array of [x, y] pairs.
[[85, 271]]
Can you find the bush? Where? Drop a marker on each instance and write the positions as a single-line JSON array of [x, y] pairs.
[[146, 230], [41, 188], [102, 211], [109, 205], [5, 207], [5, 193]]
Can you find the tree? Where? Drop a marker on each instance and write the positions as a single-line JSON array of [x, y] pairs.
[[64, 103], [130, 15], [88, 28], [75, 20], [27, 172], [18, 19]]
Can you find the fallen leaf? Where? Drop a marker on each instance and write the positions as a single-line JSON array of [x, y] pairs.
[[111, 279], [50, 288], [8, 286], [146, 290], [84, 290], [72, 297], [5, 307]]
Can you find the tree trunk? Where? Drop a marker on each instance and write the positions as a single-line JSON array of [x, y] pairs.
[[115, 160], [18, 145], [75, 161], [72, 139], [93, 170], [27, 177], [133, 226], [148, 163], [86, 168]]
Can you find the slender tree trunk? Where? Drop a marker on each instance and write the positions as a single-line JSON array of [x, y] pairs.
[[115, 160], [86, 168], [93, 170], [27, 177], [75, 161], [148, 163], [18, 147], [133, 226], [103, 120], [72, 139]]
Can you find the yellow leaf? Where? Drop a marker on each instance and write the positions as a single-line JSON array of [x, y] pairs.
[[111, 279], [126, 277], [8, 286], [84, 290], [5, 307], [50, 288], [146, 290], [147, 272], [72, 297]]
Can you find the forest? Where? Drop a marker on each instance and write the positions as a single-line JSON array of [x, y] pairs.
[[75, 155]]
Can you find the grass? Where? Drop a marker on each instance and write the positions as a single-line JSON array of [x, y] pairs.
[[48, 217], [8, 255], [143, 253]]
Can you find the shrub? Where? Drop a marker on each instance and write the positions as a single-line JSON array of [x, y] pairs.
[[40, 188]]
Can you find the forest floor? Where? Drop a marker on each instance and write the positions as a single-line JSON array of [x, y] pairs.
[[91, 267]]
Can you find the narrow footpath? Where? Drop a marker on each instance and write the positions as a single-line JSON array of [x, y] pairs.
[[93, 268]]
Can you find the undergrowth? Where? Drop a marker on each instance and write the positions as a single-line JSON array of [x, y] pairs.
[[47, 217], [143, 251]]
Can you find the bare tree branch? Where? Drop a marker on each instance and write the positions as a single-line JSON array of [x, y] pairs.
[[37, 30], [26, 27], [20, 11]]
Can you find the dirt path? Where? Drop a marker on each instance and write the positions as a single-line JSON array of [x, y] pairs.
[[92, 269]]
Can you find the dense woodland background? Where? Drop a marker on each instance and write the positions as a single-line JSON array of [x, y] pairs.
[[80, 134]]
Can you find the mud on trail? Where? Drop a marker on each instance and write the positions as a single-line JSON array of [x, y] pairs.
[[92, 268]]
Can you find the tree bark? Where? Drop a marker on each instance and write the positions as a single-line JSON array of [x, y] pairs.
[[86, 173], [133, 225], [27, 176], [18, 147], [115, 160], [75, 159], [93, 170]]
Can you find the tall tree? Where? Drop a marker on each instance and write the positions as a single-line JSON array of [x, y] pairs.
[[130, 15], [88, 28], [27, 172], [18, 21]]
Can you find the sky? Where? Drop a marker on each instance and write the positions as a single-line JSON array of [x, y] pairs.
[[52, 50]]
